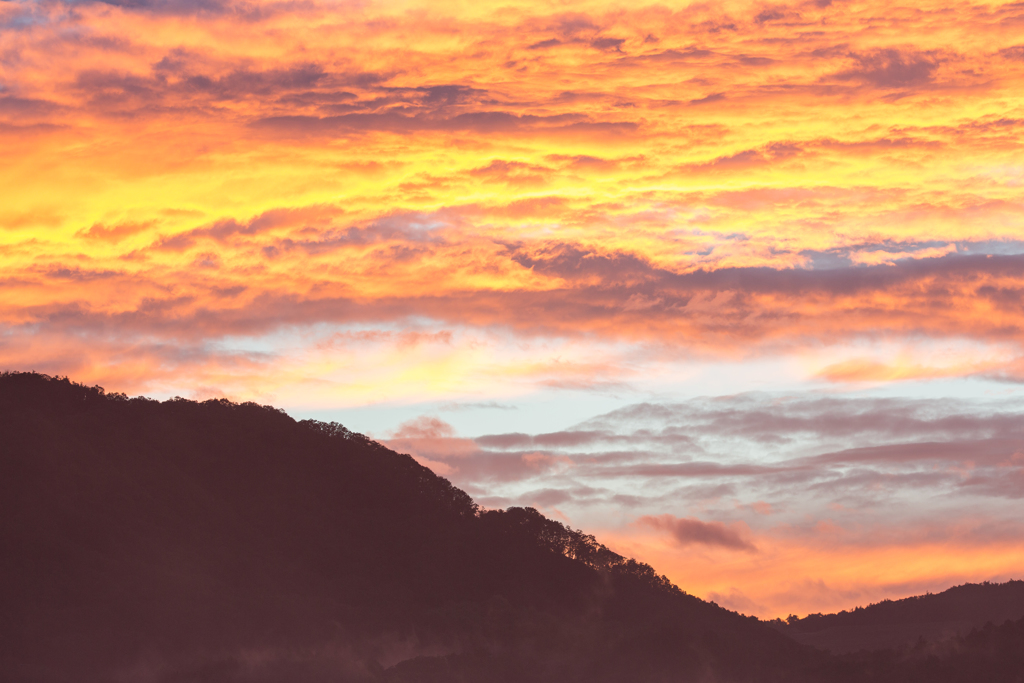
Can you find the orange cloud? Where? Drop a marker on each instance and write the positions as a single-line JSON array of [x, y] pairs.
[[825, 573], [391, 203], [864, 370]]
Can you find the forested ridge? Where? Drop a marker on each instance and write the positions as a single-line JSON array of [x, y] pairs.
[[213, 541], [220, 541], [891, 624]]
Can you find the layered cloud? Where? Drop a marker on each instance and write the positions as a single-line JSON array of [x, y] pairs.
[[352, 204], [751, 499]]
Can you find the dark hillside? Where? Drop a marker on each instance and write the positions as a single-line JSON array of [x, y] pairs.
[[991, 653], [183, 541], [898, 623]]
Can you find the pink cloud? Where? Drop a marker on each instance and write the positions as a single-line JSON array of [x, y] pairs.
[[430, 438]]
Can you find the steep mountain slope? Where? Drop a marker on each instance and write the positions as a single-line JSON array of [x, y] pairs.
[[184, 541], [892, 624]]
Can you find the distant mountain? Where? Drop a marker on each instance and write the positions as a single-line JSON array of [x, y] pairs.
[[182, 541], [895, 624], [990, 654]]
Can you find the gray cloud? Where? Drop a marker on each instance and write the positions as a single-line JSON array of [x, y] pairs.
[[893, 68], [691, 531], [856, 462], [480, 405]]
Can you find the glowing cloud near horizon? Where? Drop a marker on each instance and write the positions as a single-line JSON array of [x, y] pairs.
[[339, 204]]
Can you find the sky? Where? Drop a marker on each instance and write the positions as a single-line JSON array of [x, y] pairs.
[[736, 287]]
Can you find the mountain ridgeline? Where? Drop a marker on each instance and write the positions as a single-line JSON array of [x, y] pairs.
[[211, 541], [894, 624], [181, 541]]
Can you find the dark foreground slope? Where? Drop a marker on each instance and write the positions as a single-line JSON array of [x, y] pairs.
[[895, 624], [184, 541], [966, 634], [990, 654]]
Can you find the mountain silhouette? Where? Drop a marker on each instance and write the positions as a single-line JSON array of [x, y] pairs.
[[215, 542], [892, 624]]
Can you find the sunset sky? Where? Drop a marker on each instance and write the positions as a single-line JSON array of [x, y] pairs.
[[737, 287]]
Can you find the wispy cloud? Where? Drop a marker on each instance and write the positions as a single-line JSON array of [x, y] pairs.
[[690, 531], [798, 484]]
